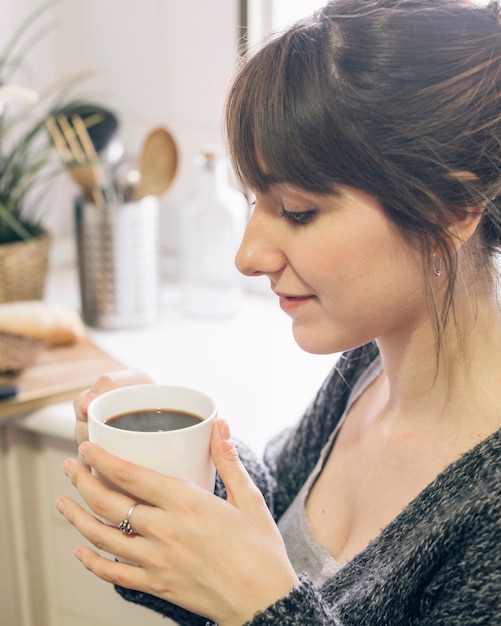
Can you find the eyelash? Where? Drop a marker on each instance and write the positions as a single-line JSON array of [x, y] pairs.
[[298, 218]]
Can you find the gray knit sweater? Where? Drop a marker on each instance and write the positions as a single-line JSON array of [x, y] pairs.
[[438, 563]]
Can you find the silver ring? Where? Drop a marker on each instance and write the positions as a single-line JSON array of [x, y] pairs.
[[124, 525]]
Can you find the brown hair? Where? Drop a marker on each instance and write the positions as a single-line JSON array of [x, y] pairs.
[[399, 98]]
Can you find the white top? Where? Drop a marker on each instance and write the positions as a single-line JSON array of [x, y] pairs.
[[305, 553]]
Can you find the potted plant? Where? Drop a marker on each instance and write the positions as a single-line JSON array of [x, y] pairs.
[[25, 167]]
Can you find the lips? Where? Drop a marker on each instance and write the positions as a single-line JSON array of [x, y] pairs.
[[289, 302], [294, 298]]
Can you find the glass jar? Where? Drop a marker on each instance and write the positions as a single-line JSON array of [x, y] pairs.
[[211, 228]]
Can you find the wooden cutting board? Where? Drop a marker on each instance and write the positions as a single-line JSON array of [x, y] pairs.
[[57, 375]]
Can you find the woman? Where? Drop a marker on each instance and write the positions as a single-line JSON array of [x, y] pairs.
[[370, 138]]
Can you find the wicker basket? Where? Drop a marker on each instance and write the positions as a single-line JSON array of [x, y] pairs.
[[23, 269]]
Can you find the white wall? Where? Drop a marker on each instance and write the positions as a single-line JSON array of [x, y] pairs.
[[155, 62]]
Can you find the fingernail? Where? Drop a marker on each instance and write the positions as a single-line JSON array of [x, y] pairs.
[[82, 450], [227, 443], [60, 506], [224, 429], [66, 466], [78, 554]]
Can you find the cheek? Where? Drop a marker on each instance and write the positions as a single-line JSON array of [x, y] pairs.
[[376, 271], [353, 259], [388, 284], [364, 288]]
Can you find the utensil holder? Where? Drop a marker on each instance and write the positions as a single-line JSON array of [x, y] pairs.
[[118, 249]]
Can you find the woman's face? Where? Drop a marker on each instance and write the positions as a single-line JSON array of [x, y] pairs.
[[341, 269]]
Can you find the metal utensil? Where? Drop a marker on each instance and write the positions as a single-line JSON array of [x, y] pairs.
[[8, 391], [126, 176], [157, 164]]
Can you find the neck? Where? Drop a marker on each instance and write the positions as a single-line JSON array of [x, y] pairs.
[[460, 382]]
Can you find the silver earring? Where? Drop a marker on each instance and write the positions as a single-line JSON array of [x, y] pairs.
[[437, 265]]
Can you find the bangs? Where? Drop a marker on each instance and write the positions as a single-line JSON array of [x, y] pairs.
[[283, 125]]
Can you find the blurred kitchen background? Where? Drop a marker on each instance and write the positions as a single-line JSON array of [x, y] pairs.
[[154, 63]]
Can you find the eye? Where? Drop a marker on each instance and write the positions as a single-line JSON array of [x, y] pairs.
[[298, 218]]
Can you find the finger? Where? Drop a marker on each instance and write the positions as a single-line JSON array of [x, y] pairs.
[[105, 382], [139, 482], [104, 501], [114, 572], [80, 405], [102, 536], [110, 505], [240, 488]]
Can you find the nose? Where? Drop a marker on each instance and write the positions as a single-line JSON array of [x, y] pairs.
[[259, 253]]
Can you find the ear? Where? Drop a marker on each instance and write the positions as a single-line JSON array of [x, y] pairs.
[[465, 221], [464, 225]]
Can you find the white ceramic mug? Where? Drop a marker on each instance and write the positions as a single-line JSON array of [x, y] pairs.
[[182, 453]]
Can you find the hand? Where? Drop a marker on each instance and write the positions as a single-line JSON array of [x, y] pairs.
[[222, 559], [106, 382]]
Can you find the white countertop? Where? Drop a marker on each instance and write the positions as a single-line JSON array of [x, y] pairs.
[[261, 380]]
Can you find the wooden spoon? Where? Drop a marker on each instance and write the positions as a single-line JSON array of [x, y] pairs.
[[157, 164]]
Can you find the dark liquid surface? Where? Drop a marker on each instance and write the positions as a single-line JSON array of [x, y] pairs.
[[153, 420]]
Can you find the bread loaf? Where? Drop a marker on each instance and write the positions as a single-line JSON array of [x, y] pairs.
[[17, 353], [50, 322]]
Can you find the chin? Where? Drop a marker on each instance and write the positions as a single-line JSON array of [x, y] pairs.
[[314, 343], [326, 342]]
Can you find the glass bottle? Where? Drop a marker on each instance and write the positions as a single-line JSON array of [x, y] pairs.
[[211, 229]]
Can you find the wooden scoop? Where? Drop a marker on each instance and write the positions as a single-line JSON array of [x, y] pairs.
[[157, 164]]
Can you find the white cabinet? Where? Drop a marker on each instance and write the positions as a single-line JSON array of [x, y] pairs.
[[9, 598]]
